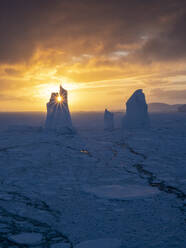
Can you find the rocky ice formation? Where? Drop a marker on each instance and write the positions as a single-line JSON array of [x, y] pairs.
[[58, 115], [108, 120], [136, 111]]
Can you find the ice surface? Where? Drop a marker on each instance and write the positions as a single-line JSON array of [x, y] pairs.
[[61, 245], [136, 111], [100, 243], [50, 185], [108, 120], [58, 115], [26, 238], [119, 192]]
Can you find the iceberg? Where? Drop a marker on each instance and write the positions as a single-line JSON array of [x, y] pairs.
[[108, 120], [58, 114], [136, 111]]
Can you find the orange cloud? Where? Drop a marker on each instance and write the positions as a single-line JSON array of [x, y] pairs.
[[102, 51]]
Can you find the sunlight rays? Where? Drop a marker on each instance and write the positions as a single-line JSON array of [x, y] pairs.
[[59, 99]]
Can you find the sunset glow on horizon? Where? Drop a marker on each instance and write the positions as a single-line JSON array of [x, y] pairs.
[[100, 51]]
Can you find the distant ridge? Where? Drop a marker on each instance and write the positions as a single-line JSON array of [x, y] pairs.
[[163, 107], [182, 108]]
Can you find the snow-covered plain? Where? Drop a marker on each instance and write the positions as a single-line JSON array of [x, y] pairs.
[[120, 189]]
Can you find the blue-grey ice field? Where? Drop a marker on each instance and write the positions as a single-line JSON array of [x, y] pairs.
[[95, 188]]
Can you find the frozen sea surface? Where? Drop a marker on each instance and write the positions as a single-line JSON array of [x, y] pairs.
[[100, 243], [122, 189], [118, 192]]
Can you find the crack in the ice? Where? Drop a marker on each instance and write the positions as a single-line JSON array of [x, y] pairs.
[[13, 223], [5, 149], [161, 184], [16, 224], [124, 145], [37, 204], [150, 177]]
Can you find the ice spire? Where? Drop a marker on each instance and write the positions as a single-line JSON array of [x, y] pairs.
[[136, 111], [58, 115], [108, 120]]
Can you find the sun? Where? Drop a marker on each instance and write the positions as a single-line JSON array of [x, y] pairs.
[[59, 99]]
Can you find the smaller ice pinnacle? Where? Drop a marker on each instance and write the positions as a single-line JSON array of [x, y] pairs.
[[136, 111], [58, 114], [108, 120]]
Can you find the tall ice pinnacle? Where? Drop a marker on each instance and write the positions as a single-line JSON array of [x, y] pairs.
[[58, 115], [136, 111], [108, 120]]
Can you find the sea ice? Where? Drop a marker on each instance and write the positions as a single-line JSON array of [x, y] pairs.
[[100, 243], [61, 245], [27, 238], [58, 115], [136, 111], [108, 120], [119, 192], [44, 181]]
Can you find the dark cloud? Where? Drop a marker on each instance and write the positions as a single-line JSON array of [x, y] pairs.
[[91, 27], [169, 45]]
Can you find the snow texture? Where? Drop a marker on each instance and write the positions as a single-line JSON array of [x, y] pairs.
[[136, 111], [58, 114], [100, 243], [61, 245], [76, 190], [108, 120], [119, 192], [27, 238]]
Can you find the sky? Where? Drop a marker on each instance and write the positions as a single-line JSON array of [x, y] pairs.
[[99, 50]]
